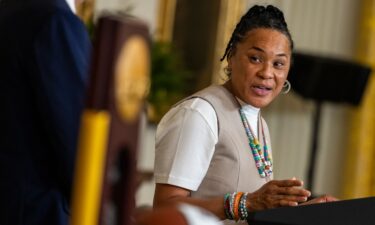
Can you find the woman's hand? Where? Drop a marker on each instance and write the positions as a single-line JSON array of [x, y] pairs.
[[277, 193]]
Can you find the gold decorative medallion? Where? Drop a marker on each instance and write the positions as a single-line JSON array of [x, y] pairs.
[[132, 77]]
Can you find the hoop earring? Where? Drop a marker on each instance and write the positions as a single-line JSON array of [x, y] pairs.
[[287, 86], [227, 71]]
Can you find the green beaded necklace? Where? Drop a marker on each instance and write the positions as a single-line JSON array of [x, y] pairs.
[[263, 159]]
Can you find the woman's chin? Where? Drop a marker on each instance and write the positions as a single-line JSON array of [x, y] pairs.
[[259, 102]]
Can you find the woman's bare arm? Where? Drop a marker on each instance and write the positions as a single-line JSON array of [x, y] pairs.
[[273, 194], [167, 195]]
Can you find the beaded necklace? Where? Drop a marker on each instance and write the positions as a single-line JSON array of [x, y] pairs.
[[263, 159]]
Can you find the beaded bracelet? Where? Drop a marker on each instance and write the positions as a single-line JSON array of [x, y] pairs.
[[235, 206], [243, 209], [231, 204], [227, 206]]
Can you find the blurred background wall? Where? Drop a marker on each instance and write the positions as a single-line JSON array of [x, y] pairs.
[[199, 30]]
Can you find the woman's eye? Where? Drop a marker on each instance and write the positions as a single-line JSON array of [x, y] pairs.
[[254, 59], [278, 64]]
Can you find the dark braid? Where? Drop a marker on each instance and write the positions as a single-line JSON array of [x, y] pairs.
[[257, 17]]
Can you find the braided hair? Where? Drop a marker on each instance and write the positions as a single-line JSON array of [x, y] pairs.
[[257, 17]]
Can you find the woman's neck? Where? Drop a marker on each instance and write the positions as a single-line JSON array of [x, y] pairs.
[[248, 107]]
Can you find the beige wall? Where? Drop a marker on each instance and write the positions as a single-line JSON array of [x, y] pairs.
[[144, 9]]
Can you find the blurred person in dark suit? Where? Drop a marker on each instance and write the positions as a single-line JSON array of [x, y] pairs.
[[44, 57]]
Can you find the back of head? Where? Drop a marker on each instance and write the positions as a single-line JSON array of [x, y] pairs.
[[269, 17]]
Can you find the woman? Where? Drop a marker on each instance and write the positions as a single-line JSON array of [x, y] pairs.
[[213, 149]]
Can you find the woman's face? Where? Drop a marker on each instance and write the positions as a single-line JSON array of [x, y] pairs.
[[260, 65]]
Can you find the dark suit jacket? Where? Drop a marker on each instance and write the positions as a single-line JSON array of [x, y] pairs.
[[44, 56]]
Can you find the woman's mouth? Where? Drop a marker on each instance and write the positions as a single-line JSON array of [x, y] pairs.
[[261, 90]]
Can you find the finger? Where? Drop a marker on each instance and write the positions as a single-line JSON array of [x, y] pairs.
[[288, 203], [329, 198], [294, 191], [287, 183], [292, 200], [289, 198], [321, 199], [314, 201]]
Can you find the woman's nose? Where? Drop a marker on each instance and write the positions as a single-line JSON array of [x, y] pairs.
[[266, 71]]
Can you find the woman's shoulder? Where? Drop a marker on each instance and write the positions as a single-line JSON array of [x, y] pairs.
[[194, 105], [213, 89], [189, 109], [200, 100]]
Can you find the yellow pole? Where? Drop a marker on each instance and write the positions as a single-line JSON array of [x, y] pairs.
[[90, 164], [359, 175]]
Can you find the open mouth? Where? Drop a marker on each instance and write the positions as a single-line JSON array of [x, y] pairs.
[[263, 88]]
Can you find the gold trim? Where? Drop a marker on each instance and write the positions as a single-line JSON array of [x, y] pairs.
[[165, 20], [230, 13]]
